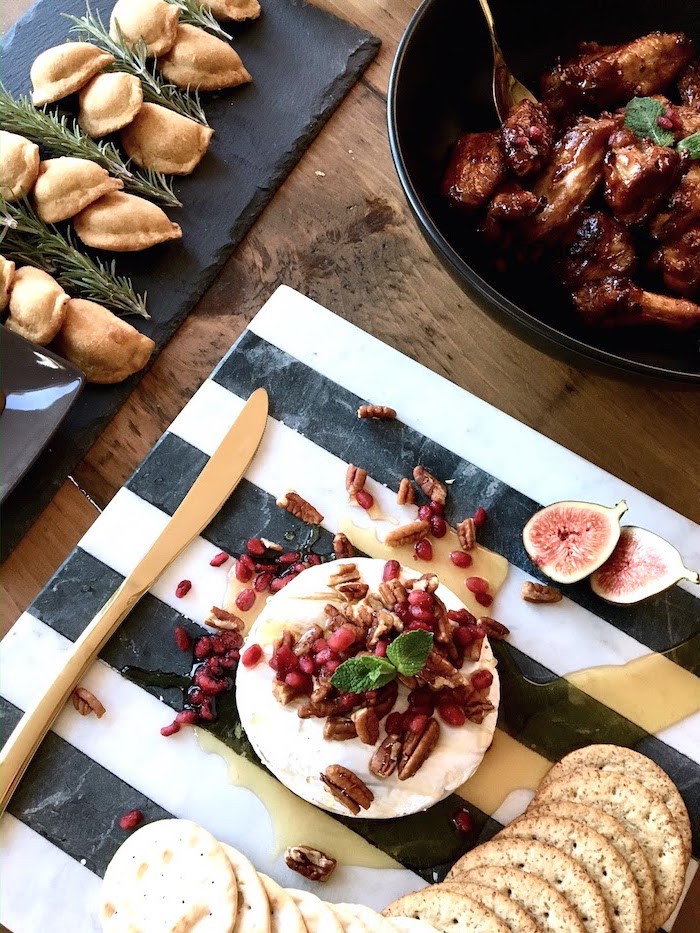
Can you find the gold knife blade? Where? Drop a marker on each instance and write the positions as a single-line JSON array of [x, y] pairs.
[[210, 490]]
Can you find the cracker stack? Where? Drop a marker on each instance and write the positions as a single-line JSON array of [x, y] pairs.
[[603, 848]]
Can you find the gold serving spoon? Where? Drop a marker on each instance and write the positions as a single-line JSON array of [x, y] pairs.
[[507, 90]]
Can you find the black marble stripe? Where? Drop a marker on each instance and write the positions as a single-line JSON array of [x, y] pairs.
[[326, 413], [72, 800]]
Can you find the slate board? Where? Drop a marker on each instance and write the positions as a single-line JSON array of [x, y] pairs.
[[303, 62]]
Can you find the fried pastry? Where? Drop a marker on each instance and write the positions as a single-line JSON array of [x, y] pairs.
[[152, 21], [7, 274], [234, 9], [106, 348], [199, 60], [19, 165], [37, 305], [64, 69], [165, 141], [124, 223], [108, 103], [66, 186]]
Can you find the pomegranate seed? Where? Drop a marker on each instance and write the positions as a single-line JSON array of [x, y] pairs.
[[286, 559], [319, 645], [255, 546], [245, 600], [462, 820], [402, 610], [424, 513], [195, 696], [421, 598], [262, 582], [414, 625], [461, 559], [665, 122], [228, 660], [461, 616], [392, 569], [535, 132], [364, 499], [380, 649], [370, 696], [298, 567], [324, 655], [476, 585], [483, 599], [206, 711], [348, 700], [131, 819], [438, 526], [307, 664], [170, 729], [203, 647], [330, 667], [481, 680], [296, 679], [394, 724], [279, 583], [226, 641], [416, 723], [520, 142], [182, 638], [421, 696], [187, 717], [244, 568], [314, 560], [423, 549], [452, 714], [341, 639], [219, 559], [421, 615], [286, 657], [437, 508], [463, 636], [183, 588], [480, 517], [211, 686], [265, 566]]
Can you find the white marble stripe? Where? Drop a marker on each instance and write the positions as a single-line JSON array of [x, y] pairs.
[[466, 425], [180, 777], [42, 889]]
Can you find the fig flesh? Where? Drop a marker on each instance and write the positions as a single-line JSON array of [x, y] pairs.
[[569, 540], [642, 565]]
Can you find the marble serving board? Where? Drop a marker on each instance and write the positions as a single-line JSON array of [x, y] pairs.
[[62, 825], [303, 62]]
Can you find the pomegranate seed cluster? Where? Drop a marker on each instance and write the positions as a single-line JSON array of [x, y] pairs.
[[267, 570]]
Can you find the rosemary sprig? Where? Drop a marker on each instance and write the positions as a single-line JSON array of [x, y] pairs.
[[59, 135], [134, 61], [24, 238], [193, 13]]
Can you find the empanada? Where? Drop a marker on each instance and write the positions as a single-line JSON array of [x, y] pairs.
[[108, 103], [19, 165], [7, 274], [199, 60], [106, 348], [234, 9], [37, 305], [64, 69], [66, 186], [124, 223], [153, 21], [165, 141]]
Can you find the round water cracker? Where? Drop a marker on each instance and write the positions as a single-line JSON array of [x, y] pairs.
[[410, 925], [548, 908], [253, 906], [356, 918], [597, 858], [318, 916], [643, 814], [285, 916], [447, 911], [515, 917], [633, 765], [171, 874], [550, 864], [617, 835]]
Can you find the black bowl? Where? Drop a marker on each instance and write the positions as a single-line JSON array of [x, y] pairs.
[[440, 86]]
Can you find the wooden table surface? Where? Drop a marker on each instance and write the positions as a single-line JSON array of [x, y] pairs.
[[346, 238]]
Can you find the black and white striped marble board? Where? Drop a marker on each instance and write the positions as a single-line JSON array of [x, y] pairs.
[[62, 825]]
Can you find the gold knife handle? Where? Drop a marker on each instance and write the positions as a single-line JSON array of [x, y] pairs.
[[21, 747]]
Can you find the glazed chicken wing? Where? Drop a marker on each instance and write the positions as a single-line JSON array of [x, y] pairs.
[[682, 208], [511, 204], [638, 175], [477, 167], [679, 263], [609, 76], [528, 137], [689, 84], [571, 177], [650, 308]]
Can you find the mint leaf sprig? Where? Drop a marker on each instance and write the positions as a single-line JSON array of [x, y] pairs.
[[406, 655], [642, 116], [691, 144]]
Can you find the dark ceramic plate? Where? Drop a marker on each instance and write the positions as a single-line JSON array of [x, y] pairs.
[[39, 388], [441, 86]]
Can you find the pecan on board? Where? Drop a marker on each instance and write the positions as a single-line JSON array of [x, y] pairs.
[[86, 702], [466, 532], [355, 479], [407, 534], [342, 546], [297, 506], [309, 862], [406, 494], [430, 485], [495, 630], [222, 619], [383, 412], [347, 788], [539, 593]]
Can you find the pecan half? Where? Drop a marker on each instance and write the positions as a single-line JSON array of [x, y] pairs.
[[392, 592], [339, 729], [297, 506], [376, 411], [311, 863], [367, 725], [342, 546], [438, 673], [306, 642], [417, 748], [347, 788], [466, 532], [321, 709], [355, 479], [272, 545], [495, 630], [385, 699], [386, 757], [431, 485], [539, 593], [353, 592], [344, 573], [407, 534], [428, 582], [477, 708], [320, 692], [220, 618], [406, 494], [86, 702], [282, 692], [383, 624]]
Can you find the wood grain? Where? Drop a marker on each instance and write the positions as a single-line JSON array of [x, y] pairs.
[[345, 237]]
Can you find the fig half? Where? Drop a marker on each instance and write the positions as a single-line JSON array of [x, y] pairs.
[[569, 540], [642, 565]]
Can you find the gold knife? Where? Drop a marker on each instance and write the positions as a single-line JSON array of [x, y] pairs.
[[210, 490]]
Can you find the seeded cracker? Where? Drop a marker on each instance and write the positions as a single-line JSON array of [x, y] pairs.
[[158, 859], [448, 911], [253, 906], [356, 918], [285, 916], [318, 917], [410, 925], [515, 917]]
